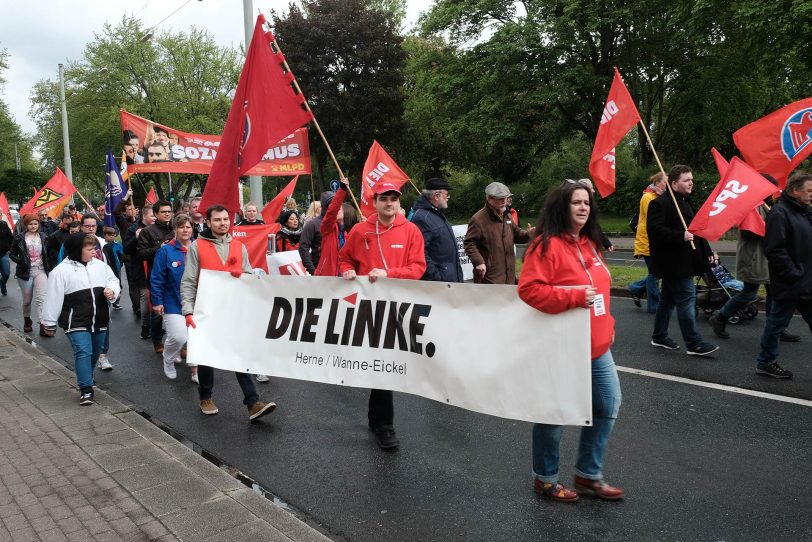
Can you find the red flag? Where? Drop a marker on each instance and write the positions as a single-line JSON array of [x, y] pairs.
[[4, 208], [619, 116], [52, 197], [255, 239], [379, 167], [152, 197], [265, 109], [778, 143], [752, 220], [272, 210], [741, 189]]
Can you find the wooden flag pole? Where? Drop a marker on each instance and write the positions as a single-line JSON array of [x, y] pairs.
[[89, 206], [315, 122], [668, 184]]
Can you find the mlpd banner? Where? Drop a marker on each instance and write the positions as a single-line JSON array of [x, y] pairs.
[[156, 148], [474, 347]]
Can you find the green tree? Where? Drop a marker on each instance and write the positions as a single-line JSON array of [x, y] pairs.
[[348, 58], [183, 80], [13, 143]]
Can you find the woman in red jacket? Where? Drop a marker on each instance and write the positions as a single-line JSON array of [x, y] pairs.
[[563, 270], [335, 228]]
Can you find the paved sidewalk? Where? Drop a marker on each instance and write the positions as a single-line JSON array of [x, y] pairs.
[[102, 472]]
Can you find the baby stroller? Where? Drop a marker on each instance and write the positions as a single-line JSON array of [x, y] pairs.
[[714, 288]]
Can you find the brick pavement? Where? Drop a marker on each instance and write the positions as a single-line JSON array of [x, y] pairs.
[[103, 473]]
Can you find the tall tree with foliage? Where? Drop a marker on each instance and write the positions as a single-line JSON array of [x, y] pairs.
[[13, 143], [348, 58], [183, 80]]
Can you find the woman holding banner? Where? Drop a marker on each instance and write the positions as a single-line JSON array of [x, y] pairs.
[[29, 252], [291, 231], [335, 227], [167, 270], [563, 270]]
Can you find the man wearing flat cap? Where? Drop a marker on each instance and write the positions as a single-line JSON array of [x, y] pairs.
[[440, 243], [491, 236]]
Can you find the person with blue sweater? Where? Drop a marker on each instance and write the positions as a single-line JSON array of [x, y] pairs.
[[167, 271]]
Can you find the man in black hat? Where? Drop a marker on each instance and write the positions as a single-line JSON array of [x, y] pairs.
[[442, 255]]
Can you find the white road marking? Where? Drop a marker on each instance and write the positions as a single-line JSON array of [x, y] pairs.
[[721, 387]]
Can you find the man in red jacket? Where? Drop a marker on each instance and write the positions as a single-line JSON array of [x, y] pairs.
[[385, 245]]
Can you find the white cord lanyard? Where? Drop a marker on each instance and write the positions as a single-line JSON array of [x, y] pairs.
[[380, 248], [583, 262]]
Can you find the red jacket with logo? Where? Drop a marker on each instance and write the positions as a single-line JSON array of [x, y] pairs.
[[398, 248], [544, 281]]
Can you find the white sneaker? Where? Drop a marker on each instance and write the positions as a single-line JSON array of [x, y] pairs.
[[195, 379], [169, 370], [104, 363], [263, 378]]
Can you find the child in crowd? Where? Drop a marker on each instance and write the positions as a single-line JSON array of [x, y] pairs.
[[114, 253]]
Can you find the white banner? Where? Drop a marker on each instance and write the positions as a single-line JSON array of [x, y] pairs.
[[476, 347], [465, 261], [288, 262]]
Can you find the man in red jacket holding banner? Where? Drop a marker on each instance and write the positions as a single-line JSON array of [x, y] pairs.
[[385, 245]]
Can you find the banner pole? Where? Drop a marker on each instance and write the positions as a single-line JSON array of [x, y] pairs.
[[278, 49], [92, 210], [668, 184]]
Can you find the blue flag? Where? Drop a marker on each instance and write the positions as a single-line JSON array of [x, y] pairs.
[[116, 189]]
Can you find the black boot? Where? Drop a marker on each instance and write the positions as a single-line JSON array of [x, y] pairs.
[[718, 323], [145, 332], [28, 325]]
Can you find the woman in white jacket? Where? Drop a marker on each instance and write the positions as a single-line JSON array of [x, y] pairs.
[[77, 298]]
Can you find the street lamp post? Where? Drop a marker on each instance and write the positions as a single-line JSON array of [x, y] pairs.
[[65, 136], [255, 182]]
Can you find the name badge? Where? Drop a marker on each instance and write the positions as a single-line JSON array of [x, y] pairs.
[[599, 306]]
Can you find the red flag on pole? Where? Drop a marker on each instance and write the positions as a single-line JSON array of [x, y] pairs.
[[52, 197], [379, 167], [152, 197], [741, 189], [752, 220], [273, 208], [4, 208], [265, 109], [778, 143], [619, 116]]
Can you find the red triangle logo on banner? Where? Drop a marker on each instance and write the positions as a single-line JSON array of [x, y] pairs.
[[351, 298]]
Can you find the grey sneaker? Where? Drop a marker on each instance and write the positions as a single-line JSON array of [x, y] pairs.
[[263, 378], [104, 363], [666, 343]]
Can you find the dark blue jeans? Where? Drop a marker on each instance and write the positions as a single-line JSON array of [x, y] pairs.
[[205, 376], [679, 293], [5, 272], [156, 324], [778, 319], [649, 284], [739, 300], [86, 349]]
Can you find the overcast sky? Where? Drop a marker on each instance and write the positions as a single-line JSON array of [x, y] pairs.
[[40, 34]]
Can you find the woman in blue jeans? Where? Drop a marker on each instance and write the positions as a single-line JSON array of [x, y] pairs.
[[78, 298], [563, 270]]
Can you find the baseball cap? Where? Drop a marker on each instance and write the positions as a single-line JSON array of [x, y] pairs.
[[381, 188]]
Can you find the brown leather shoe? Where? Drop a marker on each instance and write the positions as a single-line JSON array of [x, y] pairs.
[[599, 488], [159, 348], [45, 332], [259, 409], [555, 491]]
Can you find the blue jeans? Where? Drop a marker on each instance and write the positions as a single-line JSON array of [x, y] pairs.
[[86, 349], [606, 399], [679, 293], [778, 318], [5, 272], [739, 300], [649, 284], [156, 324], [205, 376]]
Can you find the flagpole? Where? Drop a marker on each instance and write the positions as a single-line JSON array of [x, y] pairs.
[[315, 122], [92, 210], [668, 184]]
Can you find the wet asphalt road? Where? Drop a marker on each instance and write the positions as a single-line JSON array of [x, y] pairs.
[[697, 463]]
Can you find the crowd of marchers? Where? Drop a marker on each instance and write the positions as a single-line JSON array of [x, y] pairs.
[[70, 273]]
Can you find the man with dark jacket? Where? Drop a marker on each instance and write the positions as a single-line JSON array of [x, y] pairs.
[[440, 243], [136, 276], [57, 238], [677, 263], [151, 239], [787, 243], [491, 237], [6, 239], [46, 223], [310, 241]]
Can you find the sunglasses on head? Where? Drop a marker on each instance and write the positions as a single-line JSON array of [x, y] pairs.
[[579, 182]]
